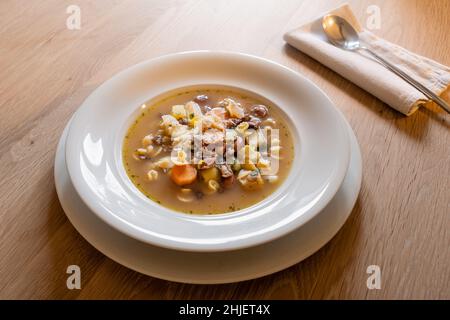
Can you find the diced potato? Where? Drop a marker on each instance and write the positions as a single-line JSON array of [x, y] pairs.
[[242, 127], [167, 119], [218, 112], [210, 174], [212, 122], [255, 175], [233, 108], [152, 175], [168, 123], [193, 112], [250, 179], [178, 111], [193, 107]]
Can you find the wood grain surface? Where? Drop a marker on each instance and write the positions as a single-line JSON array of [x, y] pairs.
[[401, 221]]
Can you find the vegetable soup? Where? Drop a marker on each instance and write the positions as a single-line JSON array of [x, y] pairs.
[[208, 149]]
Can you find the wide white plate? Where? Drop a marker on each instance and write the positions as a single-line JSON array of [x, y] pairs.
[[94, 143], [222, 267]]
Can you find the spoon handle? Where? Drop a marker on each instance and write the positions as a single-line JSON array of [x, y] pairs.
[[427, 92]]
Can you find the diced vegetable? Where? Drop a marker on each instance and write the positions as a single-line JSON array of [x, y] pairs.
[[250, 179], [178, 111], [218, 112], [167, 119], [212, 121], [193, 112], [210, 174], [184, 174], [233, 108], [168, 123], [255, 176], [242, 127], [193, 108]]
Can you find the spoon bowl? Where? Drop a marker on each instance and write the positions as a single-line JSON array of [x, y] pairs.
[[340, 33]]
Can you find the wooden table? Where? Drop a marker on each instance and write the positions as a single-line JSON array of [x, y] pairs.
[[401, 221]]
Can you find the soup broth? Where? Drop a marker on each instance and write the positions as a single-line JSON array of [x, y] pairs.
[[220, 169]]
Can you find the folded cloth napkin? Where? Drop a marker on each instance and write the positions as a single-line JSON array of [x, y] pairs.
[[366, 72]]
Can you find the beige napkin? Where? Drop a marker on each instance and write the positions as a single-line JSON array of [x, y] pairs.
[[366, 72]]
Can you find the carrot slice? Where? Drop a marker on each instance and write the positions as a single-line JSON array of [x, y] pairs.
[[183, 174]]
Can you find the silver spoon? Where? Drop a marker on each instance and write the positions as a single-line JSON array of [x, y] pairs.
[[341, 34]]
